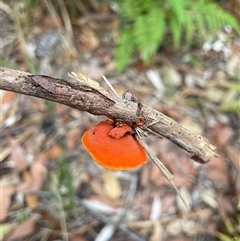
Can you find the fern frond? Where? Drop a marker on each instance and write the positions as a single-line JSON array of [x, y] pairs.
[[133, 9], [157, 27], [178, 7], [232, 86], [199, 18], [189, 26], [217, 18], [124, 50], [176, 30], [141, 35], [210, 17], [148, 31], [233, 106], [146, 21], [129, 10]]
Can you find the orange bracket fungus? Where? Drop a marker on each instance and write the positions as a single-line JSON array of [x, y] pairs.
[[113, 146]]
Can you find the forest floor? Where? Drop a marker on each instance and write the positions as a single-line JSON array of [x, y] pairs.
[[51, 189]]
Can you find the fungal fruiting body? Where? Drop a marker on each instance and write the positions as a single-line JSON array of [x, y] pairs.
[[114, 147]]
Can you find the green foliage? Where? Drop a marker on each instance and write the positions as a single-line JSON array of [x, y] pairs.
[[61, 187], [65, 180], [146, 25], [22, 215], [232, 231], [232, 104]]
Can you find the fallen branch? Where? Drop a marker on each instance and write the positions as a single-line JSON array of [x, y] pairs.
[[88, 96]]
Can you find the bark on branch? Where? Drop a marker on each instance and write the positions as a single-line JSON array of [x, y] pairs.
[[97, 101]]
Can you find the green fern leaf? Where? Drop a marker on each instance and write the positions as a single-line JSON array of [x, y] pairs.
[[210, 17], [156, 29], [129, 10], [189, 26], [231, 106], [178, 7], [176, 30], [149, 30], [141, 35], [218, 18], [199, 18], [124, 50], [146, 25]]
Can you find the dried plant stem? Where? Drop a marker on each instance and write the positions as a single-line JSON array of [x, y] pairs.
[[111, 87], [162, 168]]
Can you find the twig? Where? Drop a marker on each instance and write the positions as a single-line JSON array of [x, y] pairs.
[[94, 99]]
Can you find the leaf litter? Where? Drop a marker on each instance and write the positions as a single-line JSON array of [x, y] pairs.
[[152, 211]]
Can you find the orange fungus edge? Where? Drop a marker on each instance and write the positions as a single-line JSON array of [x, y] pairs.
[[116, 154]]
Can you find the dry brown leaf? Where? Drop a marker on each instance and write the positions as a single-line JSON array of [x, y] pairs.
[[111, 185], [38, 172], [96, 186], [54, 152], [113, 203], [62, 110], [179, 239], [88, 38], [224, 135], [234, 155], [167, 202], [144, 175], [77, 237], [221, 135], [32, 201], [18, 155], [224, 206], [7, 97], [33, 179], [72, 138], [182, 180], [23, 229], [217, 173], [237, 187], [179, 164], [50, 22], [6, 193], [157, 177], [26, 187]]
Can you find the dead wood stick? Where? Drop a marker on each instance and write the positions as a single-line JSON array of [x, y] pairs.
[[95, 100]]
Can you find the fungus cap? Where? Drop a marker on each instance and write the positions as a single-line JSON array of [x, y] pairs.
[[117, 154]]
